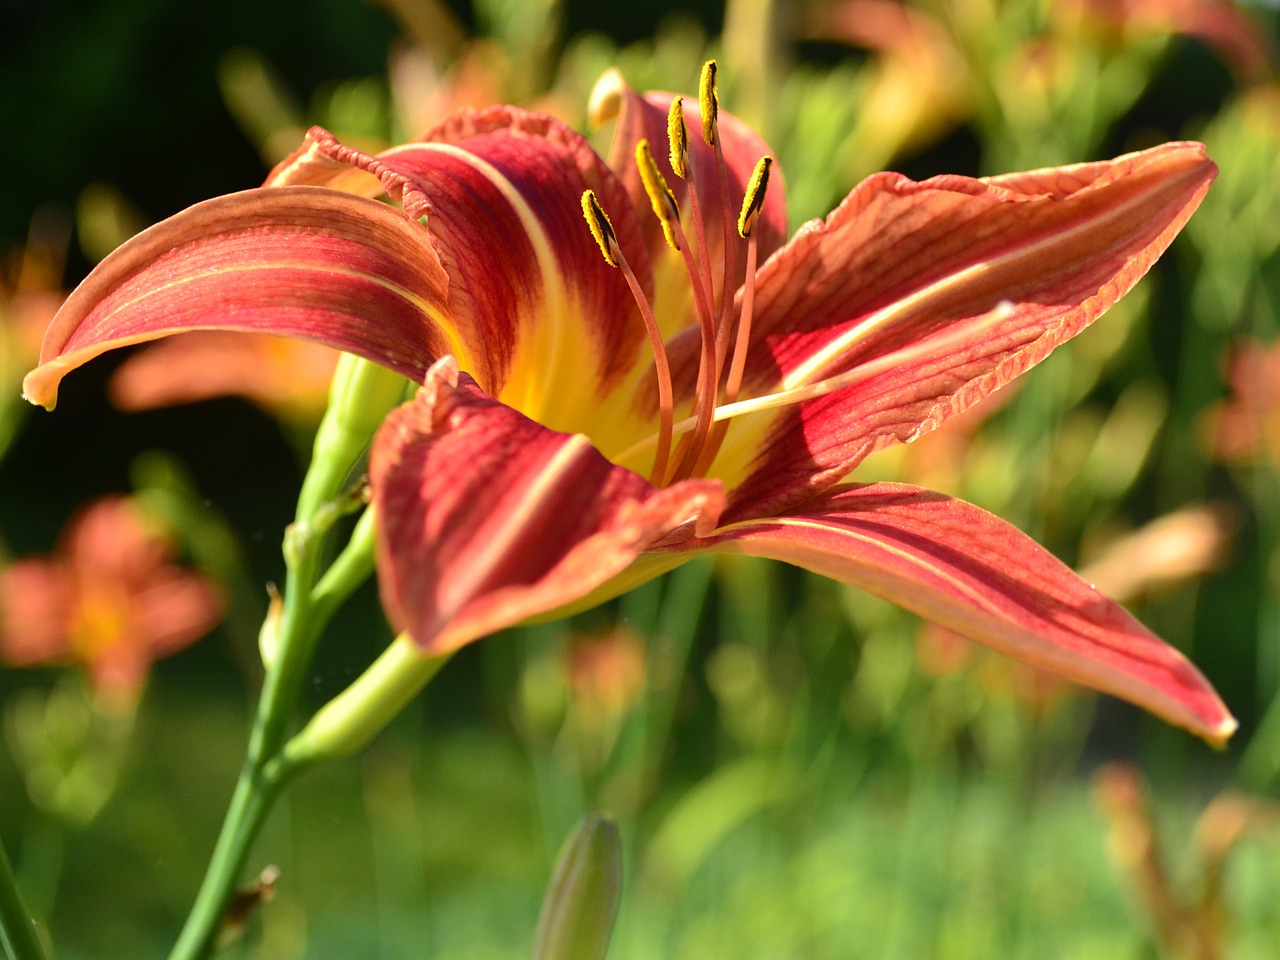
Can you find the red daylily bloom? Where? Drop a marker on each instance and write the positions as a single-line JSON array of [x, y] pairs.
[[515, 485], [110, 600]]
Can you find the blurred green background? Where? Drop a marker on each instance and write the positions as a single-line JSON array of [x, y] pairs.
[[798, 770]]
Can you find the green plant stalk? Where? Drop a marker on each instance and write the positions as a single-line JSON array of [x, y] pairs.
[[255, 793], [352, 718], [360, 396], [261, 777], [17, 928]]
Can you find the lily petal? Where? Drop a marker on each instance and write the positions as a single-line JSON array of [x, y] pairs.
[[965, 569], [297, 261], [943, 291], [501, 191], [485, 518]]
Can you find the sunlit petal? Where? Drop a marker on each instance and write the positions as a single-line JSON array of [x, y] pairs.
[[486, 518], [303, 262], [561, 329], [969, 571], [943, 291]]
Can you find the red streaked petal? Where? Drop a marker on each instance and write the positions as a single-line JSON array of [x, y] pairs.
[[560, 327], [644, 117], [953, 287], [971, 572], [486, 518], [302, 262]]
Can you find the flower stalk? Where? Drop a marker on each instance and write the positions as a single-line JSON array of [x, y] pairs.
[[18, 933], [360, 397]]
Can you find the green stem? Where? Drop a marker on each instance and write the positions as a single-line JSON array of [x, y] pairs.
[[348, 571], [262, 776], [17, 928], [359, 397], [348, 721], [253, 798]]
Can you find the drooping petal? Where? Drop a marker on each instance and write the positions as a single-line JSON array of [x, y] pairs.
[[940, 292], [486, 518], [644, 117], [303, 262], [971, 572]]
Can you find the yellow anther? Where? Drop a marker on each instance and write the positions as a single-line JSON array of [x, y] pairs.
[[753, 200], [708, 102], [600, 226], [660, 195], [678, 138]]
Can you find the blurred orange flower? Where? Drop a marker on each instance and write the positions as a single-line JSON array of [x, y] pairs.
[[286, 378], [1241, 42], [30, 294], [109, 600], [1245, 429], [917, 89], [607, 673]]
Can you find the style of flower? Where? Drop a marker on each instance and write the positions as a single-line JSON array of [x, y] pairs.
[[110, 600], [553, 458]]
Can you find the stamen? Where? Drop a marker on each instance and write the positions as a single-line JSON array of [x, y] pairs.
[[678, 138], [753, 202], [661, 198], [667, 210], [709, 101], [602, 230], [600, 226], [715, 353], [709, 365]]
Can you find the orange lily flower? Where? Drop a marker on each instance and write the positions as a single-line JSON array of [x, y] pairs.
[[1245, 428], [110, 600], [554, 458], [287, 378]]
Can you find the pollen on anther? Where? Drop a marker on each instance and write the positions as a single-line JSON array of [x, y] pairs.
[[600, 226], [661, 198], [678, 139], [709, 101], [753, 200]]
